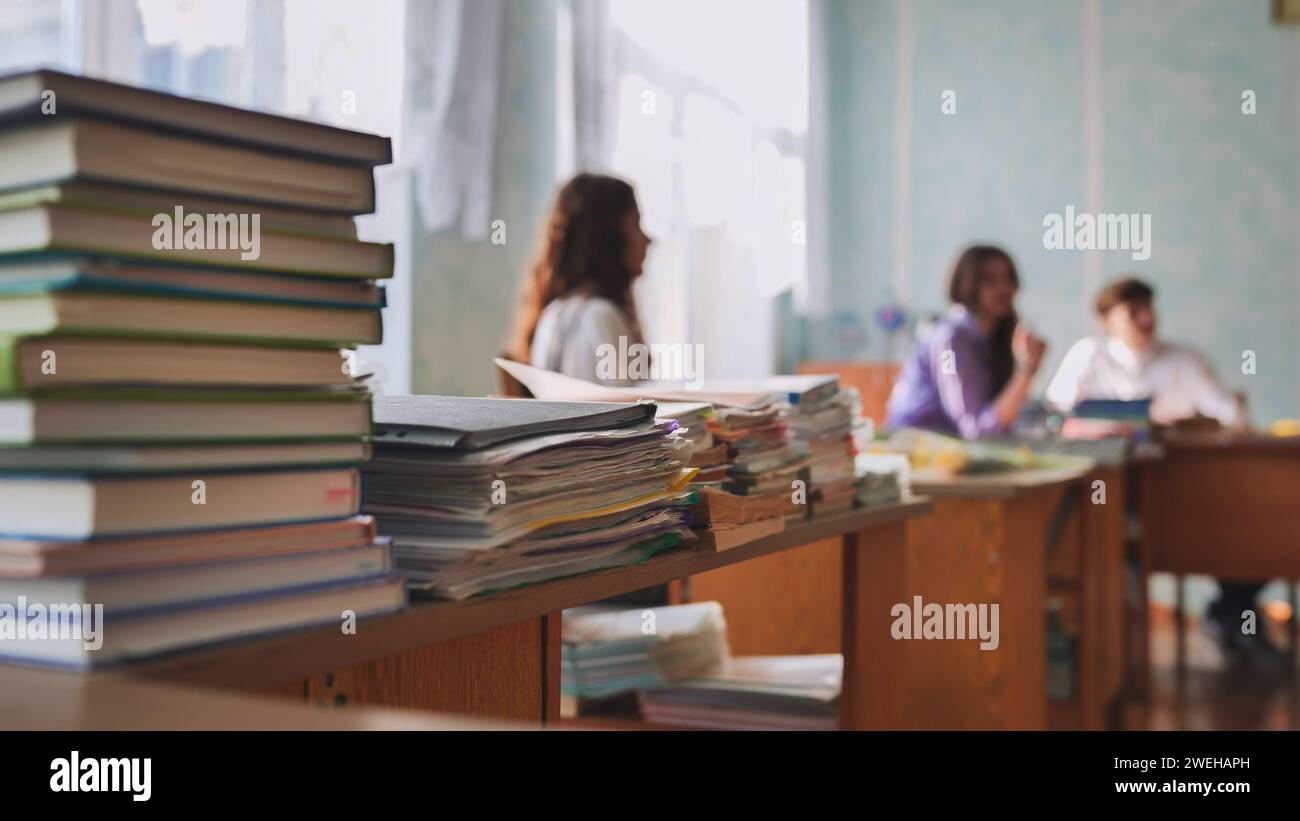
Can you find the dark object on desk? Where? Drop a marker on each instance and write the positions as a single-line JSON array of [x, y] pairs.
[[467, 423]]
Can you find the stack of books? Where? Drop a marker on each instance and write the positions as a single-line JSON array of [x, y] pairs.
[[489, 494], [880, 479], [753, 693], [748, 469], [606, 653], [180, 432], [821, 418]]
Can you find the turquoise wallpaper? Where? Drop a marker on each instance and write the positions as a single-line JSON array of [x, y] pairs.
[[1168, 138]]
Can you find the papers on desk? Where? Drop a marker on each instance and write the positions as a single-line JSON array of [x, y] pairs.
[[610, 488], [677, 661], [608, 652], [753, 693]]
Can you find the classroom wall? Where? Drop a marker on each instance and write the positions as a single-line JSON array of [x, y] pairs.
[[463, 292], [1106, 105]]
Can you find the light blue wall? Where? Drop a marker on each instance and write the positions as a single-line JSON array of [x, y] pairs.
[[1221, 186]]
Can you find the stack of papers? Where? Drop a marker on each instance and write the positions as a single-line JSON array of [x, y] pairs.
[[880, 479], [489, 494], [180, 423], [609, 652], [821, 418], [754, 693], [747, 451]]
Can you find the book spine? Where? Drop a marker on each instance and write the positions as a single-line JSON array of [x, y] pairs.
[[10, 377]]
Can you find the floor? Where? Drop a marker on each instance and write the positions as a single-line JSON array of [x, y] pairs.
[[1212, 694]]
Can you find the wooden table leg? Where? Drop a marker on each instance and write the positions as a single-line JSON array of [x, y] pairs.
[[874, 691], [1180, 626]]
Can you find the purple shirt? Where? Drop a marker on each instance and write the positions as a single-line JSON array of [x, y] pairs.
[[948, 394]]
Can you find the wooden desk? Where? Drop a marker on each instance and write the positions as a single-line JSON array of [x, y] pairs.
[[986, 542], [1222, 505], [499, 655], [41, 700]]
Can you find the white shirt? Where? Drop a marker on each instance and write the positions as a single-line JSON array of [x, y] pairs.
[[1178, 380], [570, 332]]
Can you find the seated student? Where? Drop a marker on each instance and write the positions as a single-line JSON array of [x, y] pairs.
[[578, 294], [971, 374], [1130, 362]]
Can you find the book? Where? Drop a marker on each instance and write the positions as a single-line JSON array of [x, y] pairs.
[[54, 150], [130, 458], [24, 97], [126, 592], [71, 507], [85, 312], [47, 273], [55, 557], [465, 423], [151, 634], [88, 195], [33, 364], [57, 228], [114, 416]]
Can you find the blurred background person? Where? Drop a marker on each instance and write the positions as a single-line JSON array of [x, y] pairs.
[[970, 374], [578, 293]]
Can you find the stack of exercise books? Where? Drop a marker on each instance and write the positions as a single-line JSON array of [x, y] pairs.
[[489, 494], [739, 444], [753, 693], [821, 417], [180, 430], [880, 479], [609, 652]]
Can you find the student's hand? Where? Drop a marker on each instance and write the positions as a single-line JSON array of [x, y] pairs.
[[1028, 349]]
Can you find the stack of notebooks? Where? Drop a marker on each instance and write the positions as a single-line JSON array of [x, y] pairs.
[[488, 494], [606, 653], [747, 465], [821, 418], [180, 432], [880, 479], [753, 693]]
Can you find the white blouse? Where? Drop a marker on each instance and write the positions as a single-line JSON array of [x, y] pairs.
[[1178, 380], [570, 332]]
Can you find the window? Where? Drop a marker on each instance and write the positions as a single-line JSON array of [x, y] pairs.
[[714, 139]]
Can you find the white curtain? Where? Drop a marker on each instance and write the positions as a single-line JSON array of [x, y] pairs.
[[698, 104], [453, 51]]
